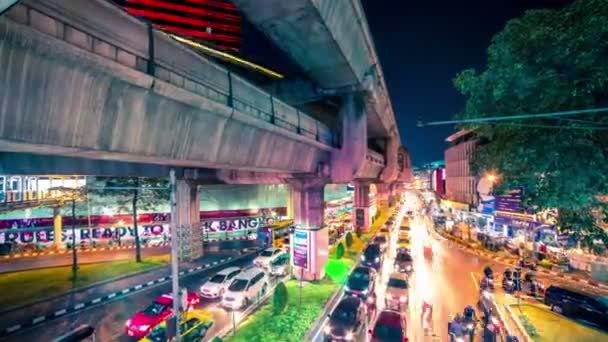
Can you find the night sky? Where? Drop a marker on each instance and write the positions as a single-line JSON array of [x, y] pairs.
[[422, 45]]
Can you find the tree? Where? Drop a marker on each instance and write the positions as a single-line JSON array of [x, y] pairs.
[[135, 192], [546, 61], [279, 298], [339, 250], [348, 239]]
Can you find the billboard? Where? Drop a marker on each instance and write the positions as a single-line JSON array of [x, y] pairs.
[[510, 202], [301, 249]]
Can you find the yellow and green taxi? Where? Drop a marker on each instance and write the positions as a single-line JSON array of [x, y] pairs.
[[403, 241], [193, 327]]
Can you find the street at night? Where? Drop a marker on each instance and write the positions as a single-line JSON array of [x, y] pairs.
[[299, 170]]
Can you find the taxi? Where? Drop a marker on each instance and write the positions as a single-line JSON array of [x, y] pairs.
[[403, 242], [193, 327]]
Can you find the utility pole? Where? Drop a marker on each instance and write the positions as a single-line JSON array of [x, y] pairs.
[[174, 256], [74, 257]]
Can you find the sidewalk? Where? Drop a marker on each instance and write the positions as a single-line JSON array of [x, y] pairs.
[[509, 259], [68, 302]]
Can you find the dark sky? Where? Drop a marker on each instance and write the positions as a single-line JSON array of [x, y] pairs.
[[422, 45]]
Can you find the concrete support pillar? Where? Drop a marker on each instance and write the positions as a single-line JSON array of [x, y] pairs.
[[188, 220], [382, 196], [392, 195], [57, 228], [310, 240], [347, 160], [361, 207]]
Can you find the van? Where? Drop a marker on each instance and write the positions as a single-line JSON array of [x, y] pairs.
[[246, 288], [579, 305]]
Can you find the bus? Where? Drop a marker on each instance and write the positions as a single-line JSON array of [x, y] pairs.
[[275, 234]]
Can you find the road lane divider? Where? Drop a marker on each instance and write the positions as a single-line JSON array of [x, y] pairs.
[[123, 293]]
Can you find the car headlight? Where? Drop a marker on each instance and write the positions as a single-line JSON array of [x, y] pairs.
[[403, 299], [363, 258], [349, 336], [327, 329], [144, 327], [346, 288], [408, 267], [377, 259], [364, 292], [128, 322], [470, 326]]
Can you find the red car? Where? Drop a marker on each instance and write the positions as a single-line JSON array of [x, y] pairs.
[[161, 308], [390, 327]]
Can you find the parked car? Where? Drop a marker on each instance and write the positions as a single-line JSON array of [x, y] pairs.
[[576, 304], [382, 241], [390, 326], [245, 287], [346, 322], [216, 285], [267, 257]]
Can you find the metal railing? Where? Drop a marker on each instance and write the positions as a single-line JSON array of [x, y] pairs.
[[164, 58]]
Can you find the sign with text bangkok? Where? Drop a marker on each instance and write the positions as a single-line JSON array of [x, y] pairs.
[[301, 245]]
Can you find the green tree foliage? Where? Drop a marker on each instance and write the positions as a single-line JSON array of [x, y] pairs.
[[279, 298], [131, 194], [348, 239], [547, 61], [216, 339], [339, 250]]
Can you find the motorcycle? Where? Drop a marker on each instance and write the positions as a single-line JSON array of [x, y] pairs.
[[523, 263], [531, 285], [469, 328], [492, 329], [507, 281]]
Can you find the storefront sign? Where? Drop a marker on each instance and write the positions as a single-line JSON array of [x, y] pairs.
[[240, 223], [47, 235], [301, 246]]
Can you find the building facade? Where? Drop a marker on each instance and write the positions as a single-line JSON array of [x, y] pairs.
[[460, 182]]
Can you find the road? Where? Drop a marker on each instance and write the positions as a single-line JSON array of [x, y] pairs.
[[55, 260], [446, 281], [109, 319]]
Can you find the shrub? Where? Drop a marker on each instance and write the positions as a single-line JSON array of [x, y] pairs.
[[349, 240], [279, 299], [216, 339], [340, 251], [530, 329]]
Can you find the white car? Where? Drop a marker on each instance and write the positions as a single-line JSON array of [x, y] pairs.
[[397, 291], [267, 256], [217, 285], [245, 288]]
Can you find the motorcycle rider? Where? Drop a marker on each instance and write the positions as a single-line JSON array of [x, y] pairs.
[[455, 328], [469, 318], [507, 280], [487, 282]]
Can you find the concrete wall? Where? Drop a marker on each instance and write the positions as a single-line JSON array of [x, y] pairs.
[[66, 97]]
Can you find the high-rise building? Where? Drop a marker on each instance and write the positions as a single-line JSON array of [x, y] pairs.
[[214, 23], [459, 179]]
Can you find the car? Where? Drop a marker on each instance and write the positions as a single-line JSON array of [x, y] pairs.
[[193, 327], [404, 229], [360, 282], [405, 222], [216, 285], [267, 257], [372, 256], [245, 287], [385, 230], [403, 262], [346, 322], [577, 304], [140, 324], [390, 326], [382, 241], [397, 291], [280, 265], [403, 242]]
